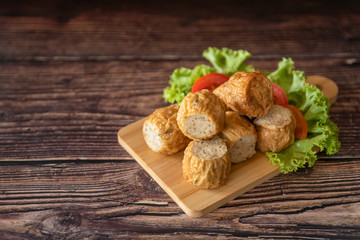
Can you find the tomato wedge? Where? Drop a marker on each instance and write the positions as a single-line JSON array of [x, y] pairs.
[[280, 97], [209, 81], [301, 124]]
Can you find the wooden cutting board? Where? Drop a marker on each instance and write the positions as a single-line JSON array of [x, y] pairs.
[[166, 170]]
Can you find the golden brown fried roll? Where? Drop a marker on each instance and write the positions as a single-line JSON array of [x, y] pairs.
[[275, 130], [240, 136], [161, 132], [248, 93], [201, 115], [206, 163]]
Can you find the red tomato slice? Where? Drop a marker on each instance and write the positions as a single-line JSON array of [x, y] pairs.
[[280, 97], [301, 124], [209, 81]]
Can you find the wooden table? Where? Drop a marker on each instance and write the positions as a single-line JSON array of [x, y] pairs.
[[73, 73]]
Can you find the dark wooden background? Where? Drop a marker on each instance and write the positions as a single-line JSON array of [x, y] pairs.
[[74, 72]]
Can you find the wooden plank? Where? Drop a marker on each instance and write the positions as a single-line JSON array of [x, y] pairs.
[[118, 199], [70, 111], [112, 31]]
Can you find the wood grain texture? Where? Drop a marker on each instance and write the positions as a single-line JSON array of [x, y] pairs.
[[69, 79], [101, 200], [73, 110], [166, 170], [121, 31]]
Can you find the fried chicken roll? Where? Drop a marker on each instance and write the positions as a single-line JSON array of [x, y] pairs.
[[161, 132], [206, 163], [248, 93], [275, 130], [240, 136], [201, 115]]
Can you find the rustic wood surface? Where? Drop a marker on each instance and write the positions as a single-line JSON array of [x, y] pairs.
[[72, 74]]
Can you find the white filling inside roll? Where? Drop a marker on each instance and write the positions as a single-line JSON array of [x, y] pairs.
[[210, 149], [277, 117], [243, 149], [199, 125], [152, 136]]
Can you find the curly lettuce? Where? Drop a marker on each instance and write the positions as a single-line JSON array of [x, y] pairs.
[[228, 61], [181, 81], [322, 132]]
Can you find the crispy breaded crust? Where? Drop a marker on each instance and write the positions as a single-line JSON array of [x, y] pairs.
[[236, 127], [248, 93], [205, 173], [202, 103], [276, 131], [173, 140]]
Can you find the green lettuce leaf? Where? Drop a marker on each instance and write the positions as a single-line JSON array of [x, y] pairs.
[[322, 132], [228, 61], [181, 81]]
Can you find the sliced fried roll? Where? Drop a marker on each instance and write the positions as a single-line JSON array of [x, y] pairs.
[[206, 163], [240, 136], [201, 115], [161, 132], [275, 130], [248, 93]]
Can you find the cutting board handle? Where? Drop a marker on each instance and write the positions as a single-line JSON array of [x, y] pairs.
[[326, 85]]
